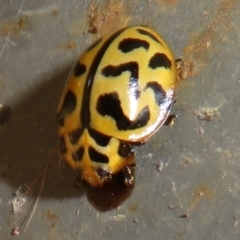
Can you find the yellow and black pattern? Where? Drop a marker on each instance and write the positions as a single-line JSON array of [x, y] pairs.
[[119, 93]]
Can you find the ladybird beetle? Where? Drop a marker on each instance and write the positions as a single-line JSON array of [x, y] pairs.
[[118, 94]]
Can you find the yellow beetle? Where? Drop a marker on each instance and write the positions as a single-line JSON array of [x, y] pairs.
[[119, 93]]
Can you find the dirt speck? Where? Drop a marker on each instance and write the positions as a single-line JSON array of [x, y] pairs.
[[184, 69], [118, 217], [207, 114], [55, 12], [15, 231], [18, 202]]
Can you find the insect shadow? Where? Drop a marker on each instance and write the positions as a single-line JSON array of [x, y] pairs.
[[28, 142]]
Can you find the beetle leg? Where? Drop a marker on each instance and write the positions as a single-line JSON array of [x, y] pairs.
[[77, 183], [171, 119], [128, 175]]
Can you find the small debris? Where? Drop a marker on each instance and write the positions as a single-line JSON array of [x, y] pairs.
[[184, 69], [5, 113], [118, 217], [235, 222], [160, 166], [18, 202], [94, 17], [184, 216], [200, 131], [149, 155], [171, 207], [207, 114], [15, 231], [135, 220], [236, 217]]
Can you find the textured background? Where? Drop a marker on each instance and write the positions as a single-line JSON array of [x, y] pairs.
[[188, 175]]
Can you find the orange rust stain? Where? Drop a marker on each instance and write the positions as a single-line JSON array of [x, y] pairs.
[[133, 208], [13, 27], [196, 54], [55, 12], [173, 1], [94, 18], [49, 215], [200, 193], [71, 45], [114, 15], [164, 5]]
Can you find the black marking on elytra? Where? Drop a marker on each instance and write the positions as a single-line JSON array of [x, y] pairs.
[[93, 45], [125, 150], [96, 156], [159, 60], [110, 105], [129, 44], [62, 145], [69, 105], [159, 92], [79, 69], [78, 155], [115, 71], [146, 33], [75, 135], [85, 110], [132, 67], [100, 138], [103, 174]]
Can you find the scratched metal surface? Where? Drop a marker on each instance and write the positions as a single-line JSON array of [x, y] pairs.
[[187, 179]]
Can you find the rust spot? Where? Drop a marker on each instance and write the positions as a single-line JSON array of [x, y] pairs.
[[13, 27], [71, 45], [21, 24], [113, 15], [133, 208], [55, 12], [196, 53], [164, 5], [173, 1], [49, 215], [200, 193]]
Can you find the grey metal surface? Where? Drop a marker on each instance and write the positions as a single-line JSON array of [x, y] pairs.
[[188, 175]]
